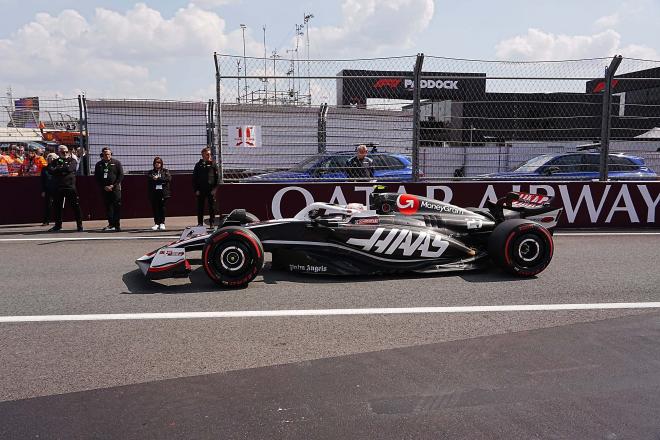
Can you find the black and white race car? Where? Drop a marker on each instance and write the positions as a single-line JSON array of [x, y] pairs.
[[395, 233]]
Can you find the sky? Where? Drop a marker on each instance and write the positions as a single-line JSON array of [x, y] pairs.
[[164, 49]]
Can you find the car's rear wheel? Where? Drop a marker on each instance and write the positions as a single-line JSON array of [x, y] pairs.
[[233, 256], [521, 247]]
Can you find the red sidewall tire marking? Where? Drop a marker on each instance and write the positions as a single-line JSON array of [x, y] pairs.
[[507, 257], [254, 243]]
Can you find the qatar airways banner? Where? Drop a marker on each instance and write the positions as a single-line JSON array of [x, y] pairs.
[[585, 204]]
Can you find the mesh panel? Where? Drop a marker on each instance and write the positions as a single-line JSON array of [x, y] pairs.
[[476, 117], [139, 130], [35, 119]]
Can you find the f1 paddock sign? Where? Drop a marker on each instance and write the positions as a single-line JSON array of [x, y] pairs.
[[247, 136]]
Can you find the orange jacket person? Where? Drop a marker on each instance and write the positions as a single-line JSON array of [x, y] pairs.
[[5, 163], [32, 164]]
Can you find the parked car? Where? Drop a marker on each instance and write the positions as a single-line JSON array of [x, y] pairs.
[[334, 166], [578, 166]]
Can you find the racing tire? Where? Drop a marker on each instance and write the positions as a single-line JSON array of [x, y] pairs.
[[521, 247], [232, 257]]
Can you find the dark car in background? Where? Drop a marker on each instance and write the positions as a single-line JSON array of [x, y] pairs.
[[579, 166], [334, 166]]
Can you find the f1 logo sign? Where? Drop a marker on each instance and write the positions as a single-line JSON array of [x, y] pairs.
[[391, 83], [407, 204]]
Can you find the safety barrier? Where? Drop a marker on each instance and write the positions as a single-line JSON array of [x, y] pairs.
[[586, 204]]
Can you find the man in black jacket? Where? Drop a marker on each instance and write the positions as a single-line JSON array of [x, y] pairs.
[[63, 170], [360, 166], [109, 174], [205, 179]]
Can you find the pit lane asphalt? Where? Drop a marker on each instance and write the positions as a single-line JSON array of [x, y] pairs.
[[81, 277]]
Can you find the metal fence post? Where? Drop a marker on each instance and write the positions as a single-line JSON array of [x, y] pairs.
[[210, 125], [416, 116], [607, 113], [321, 127], [218, 123], [84, 134], [81, 141]]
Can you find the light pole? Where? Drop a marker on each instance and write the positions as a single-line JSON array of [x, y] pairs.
[[265, 101], [308, 17], [244, 63], [275, 56]]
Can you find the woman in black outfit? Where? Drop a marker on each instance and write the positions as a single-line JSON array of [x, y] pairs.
[[158, 180]]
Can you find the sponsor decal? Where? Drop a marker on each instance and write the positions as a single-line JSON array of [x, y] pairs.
[[367, 221], [526, 200], [584, 204], [432, 84], [407, 204], [247, 136], [441, 207], [475, 223], [307, 268], [391, 83], [410, 243], [171, 253]]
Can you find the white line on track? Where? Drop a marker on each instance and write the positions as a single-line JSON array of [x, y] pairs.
[[58, 238], [172, 237], [329, 312]]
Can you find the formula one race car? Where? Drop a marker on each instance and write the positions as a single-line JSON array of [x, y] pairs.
[[395, 233]]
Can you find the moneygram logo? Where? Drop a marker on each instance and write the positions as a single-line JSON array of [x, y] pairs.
[[432, 84], [407, 204]]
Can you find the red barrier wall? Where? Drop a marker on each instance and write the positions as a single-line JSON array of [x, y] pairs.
[[22, 202], [586, 204]]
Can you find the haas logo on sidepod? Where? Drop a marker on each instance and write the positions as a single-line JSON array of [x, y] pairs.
[[427, 245], [407, 204]]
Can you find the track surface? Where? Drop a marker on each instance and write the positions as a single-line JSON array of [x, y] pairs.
[[558, 374]]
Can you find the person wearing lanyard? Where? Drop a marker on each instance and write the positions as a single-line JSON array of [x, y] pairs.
[[109, 174], [158, 181]]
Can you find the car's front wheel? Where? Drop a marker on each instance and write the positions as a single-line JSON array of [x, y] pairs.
[[233, 256]]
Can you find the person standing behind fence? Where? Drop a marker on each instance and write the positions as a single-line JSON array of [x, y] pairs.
[[33, 164], [109, 174], [48, 188], [158, 181], [360, 166], [5, 161], [63, 170], [205, 180]]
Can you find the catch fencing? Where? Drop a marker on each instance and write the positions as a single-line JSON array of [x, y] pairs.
[[453, 118], [421, 117], [139, 130]]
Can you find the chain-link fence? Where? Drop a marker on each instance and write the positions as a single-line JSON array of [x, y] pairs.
[[139, 130], [40, 125], [466, 118], [420, 118]]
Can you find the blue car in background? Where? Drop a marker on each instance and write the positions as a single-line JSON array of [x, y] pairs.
[[578, 166], [334, 166]]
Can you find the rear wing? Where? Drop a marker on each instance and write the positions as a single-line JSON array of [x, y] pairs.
[[535, 207]]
